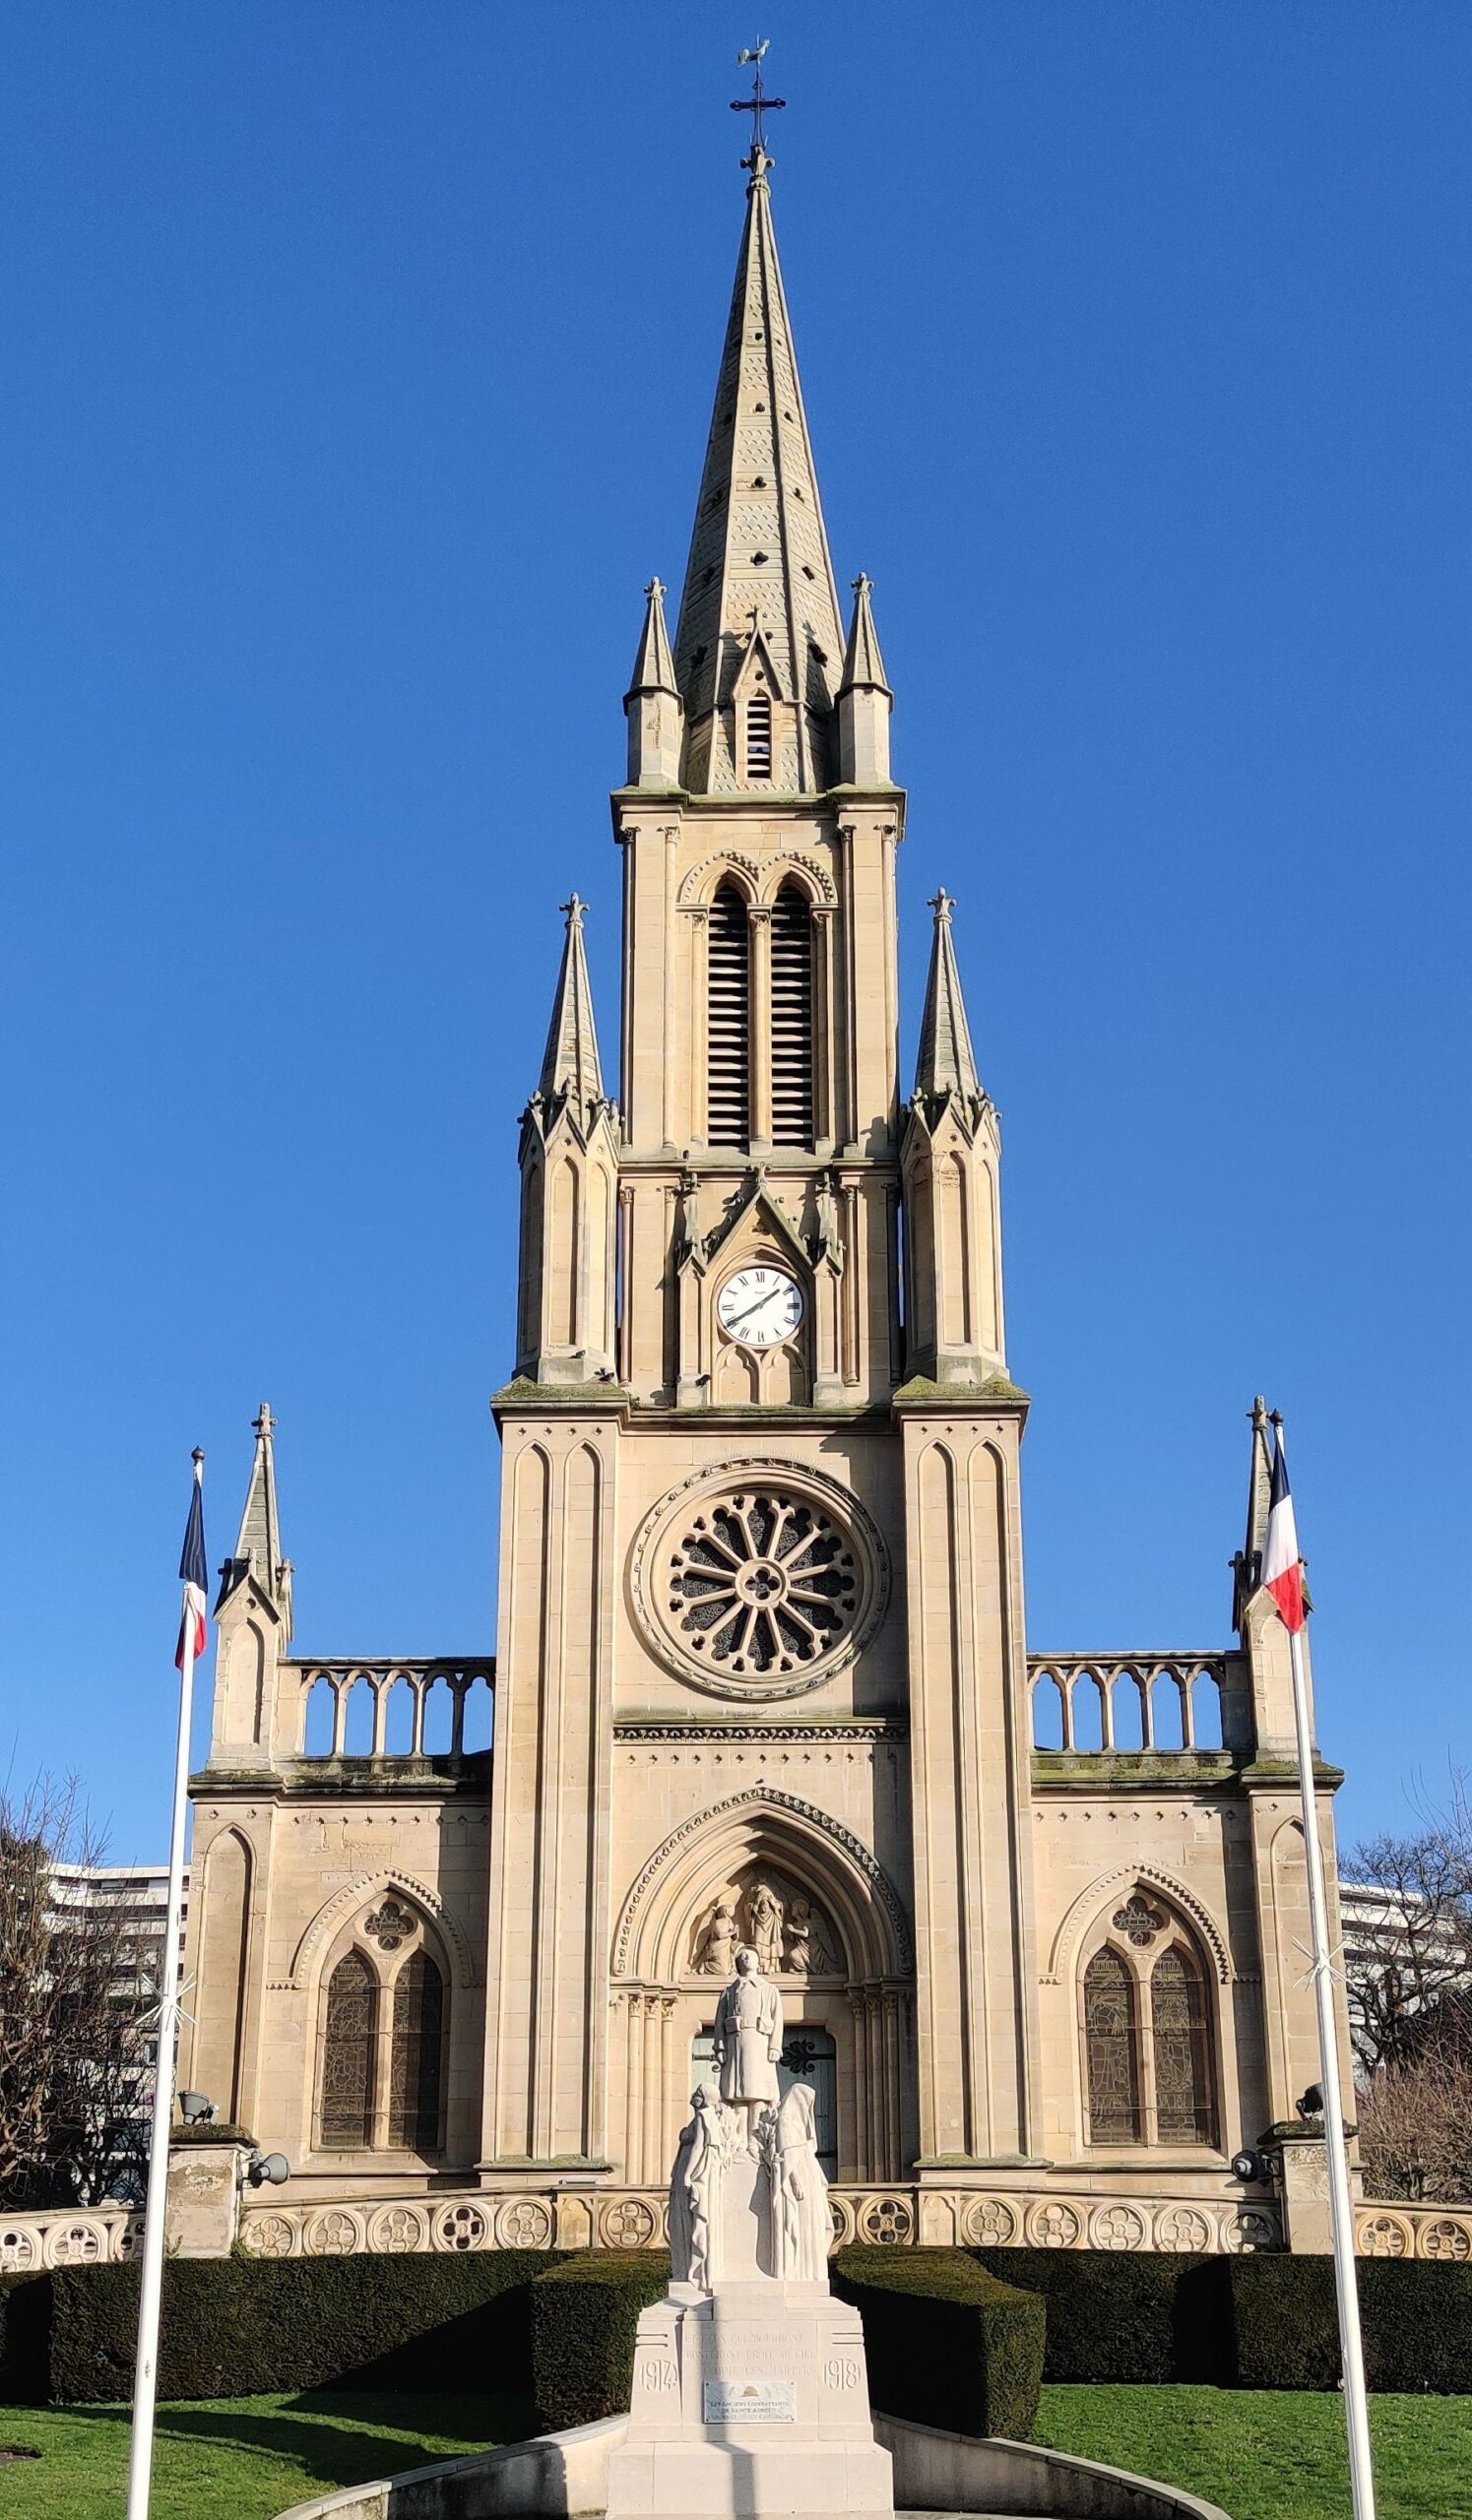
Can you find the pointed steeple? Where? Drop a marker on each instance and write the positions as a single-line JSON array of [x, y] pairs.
[[946, 1062], [258, 1550], [652, 702], [570, 1068], [863, 700], [758, 553]]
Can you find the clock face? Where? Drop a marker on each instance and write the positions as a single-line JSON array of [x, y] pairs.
[[760, 1307]]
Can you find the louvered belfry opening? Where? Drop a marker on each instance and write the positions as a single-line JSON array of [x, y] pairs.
[[792, 1020], [759, 737], [728, 1048]]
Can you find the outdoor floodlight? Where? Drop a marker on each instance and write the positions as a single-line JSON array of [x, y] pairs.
[[267, 2169], [1312, 2104], [1248, 2166], [195, 2109]]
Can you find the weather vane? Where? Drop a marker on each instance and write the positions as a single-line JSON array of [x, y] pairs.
[[756, 104]]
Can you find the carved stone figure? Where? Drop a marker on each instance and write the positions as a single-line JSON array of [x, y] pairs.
[[706, 2146], [809, 1953], [764, 1910], [716, 1949], [800, 2221], [749, 2040]]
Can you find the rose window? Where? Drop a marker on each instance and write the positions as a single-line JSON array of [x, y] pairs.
[[758, 1578], [763, 1582]]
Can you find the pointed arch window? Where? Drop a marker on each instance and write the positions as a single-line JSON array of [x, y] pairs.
[[792, 1019], [1111, 2046], [728, 1021], [1178, 2018], [348, 2044], [1148, 2061], [416, 2056]]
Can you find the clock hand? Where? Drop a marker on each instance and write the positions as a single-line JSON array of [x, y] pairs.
[[760, 1305]]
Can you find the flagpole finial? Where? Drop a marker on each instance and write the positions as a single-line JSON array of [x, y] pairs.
[[198, 1458]]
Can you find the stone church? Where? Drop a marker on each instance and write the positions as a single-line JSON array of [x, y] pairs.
[[1038, 1920]]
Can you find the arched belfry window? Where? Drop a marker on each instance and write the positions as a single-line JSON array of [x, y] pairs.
[[416, 2062], [759, 736], [349, 2055], [1112, 2048], [728, 1041], [792, 1019]]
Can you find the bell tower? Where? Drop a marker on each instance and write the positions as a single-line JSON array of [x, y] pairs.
[[761, 1652]]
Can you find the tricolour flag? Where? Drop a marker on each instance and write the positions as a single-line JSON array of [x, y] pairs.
[[1282, 1571], [193, 1573]]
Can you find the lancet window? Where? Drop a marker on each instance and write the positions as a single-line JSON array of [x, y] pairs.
[[729, 1021], [381, 2073], [1147, 2032]]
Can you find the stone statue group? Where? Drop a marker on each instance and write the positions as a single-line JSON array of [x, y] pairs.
[[741, 2113], [790, 1939]]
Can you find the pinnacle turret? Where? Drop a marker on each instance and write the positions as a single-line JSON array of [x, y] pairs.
[[258, 1551], [863, 700], [652, 702], [946, 1062], [758, 555], [571, 1071]]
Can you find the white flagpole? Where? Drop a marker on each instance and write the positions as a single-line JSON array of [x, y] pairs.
[[146, 2365], [1341, 2206]]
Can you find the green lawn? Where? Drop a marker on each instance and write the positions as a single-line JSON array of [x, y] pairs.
[[1262, 2455], [237, 2458], [1265, 2454]]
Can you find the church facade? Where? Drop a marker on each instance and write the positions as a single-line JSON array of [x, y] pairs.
[[763, 1680]]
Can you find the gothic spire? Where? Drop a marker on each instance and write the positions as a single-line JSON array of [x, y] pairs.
[[570, 1067], [258, 1550], [946, 1062], [758, 555]]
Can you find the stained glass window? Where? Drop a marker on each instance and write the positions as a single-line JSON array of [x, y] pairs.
[[1111, 2044], [348, 2056], [1183, 2100], [414, 2058]]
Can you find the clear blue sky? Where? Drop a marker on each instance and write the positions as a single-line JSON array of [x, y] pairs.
[[358, 366]]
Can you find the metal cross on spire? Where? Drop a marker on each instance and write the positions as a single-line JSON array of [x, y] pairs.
[[757, 104]]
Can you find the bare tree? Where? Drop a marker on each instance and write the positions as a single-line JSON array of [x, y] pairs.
[[1416, 2129], [1408, 1938], [74, 2062]]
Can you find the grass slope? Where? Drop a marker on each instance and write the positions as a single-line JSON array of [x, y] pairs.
[[1268, 2454], [238, 2458]]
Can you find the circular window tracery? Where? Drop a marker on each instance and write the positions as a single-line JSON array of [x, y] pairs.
[[763, 1582], [758, 1579]]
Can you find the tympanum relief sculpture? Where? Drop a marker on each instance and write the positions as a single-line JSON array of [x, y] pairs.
[[789, 1934]]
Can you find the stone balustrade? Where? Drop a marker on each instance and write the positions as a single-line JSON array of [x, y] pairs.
[[1157, 1702], [93, 2235], [1414, 2230], [635, 2218], [389, 1710]]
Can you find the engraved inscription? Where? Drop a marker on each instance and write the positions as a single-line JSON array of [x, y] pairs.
[[841, 2371], [748, 2402], [658, 2377]]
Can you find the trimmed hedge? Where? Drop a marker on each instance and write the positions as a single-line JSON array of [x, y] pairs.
[[584, 2315], [238, 2327], [1244, 2322], [948, 2343]]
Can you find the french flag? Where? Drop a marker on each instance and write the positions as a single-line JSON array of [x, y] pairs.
[[193, 1574], [1282, 1570]]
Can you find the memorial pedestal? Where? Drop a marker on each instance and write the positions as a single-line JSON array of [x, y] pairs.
[[749, 2401]]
